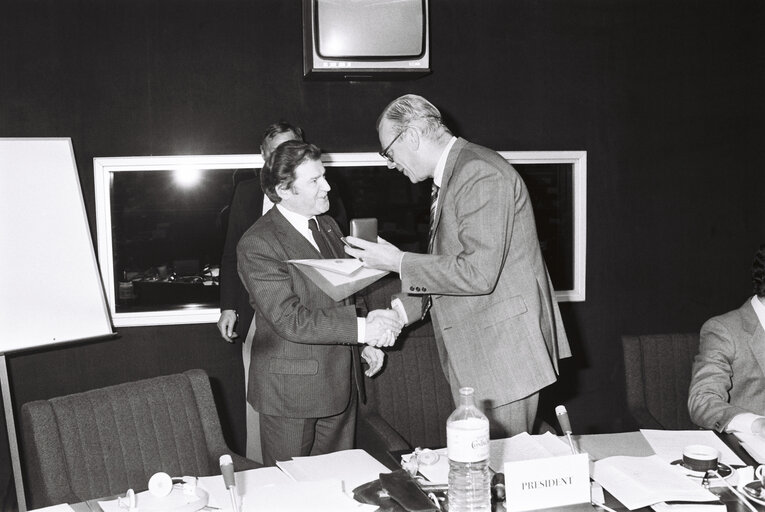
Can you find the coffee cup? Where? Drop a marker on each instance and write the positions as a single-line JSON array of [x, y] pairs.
[[701, 458], [759, 474]]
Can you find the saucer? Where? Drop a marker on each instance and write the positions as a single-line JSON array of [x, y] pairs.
[[723, 469], [753, 491]]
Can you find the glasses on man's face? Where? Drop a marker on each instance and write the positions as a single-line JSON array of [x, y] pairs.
[[384, 152]]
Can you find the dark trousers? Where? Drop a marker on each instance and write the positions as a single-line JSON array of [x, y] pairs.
[[283, 438]]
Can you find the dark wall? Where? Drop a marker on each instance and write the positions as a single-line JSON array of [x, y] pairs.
[[666, 97]]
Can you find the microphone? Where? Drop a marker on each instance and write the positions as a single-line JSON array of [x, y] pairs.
[[565, 425], [227, 470]]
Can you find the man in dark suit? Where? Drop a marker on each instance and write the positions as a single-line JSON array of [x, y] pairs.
[[247, 206], [304, 356], [497, 324]]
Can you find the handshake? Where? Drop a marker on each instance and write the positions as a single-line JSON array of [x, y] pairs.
[[382, 328]]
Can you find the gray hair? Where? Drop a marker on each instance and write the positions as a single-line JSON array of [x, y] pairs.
[[414, 110]]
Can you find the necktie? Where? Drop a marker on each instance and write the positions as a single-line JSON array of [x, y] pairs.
[[432, 222], [318, 237], [326, 251], [427, 301]]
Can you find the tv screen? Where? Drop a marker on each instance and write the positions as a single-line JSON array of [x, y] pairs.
[[357, 39], [363, 29]]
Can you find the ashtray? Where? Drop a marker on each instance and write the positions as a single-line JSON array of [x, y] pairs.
[[723, 470]]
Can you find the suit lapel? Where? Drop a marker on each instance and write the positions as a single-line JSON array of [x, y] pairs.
[[295, 243], [332, 235], [451, 162]]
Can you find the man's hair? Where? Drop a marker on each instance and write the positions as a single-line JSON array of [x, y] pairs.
[[758, 272], [279, 128], [413, 110], [281, 165]]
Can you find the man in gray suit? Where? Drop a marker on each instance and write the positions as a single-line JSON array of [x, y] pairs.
[[498, 327], [305, 351], [727, 391]]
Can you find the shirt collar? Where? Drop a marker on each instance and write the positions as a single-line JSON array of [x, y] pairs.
[[438, 174], [759, 309], [298, 221]]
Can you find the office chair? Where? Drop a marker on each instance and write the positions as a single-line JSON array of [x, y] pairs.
[[658, 374], [102, 442], [409, 400]]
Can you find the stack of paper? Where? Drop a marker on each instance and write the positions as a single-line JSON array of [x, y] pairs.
[[324, 496], [642, 481], [669, 444], [246, 482], [352, 467]]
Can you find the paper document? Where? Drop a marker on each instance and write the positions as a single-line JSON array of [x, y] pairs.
[[669, 444], [344, 266], [54, 508], [642, 481], [524, 447], [329, 275], [353, 467], [246, 482], [754, 445], [323, 495]]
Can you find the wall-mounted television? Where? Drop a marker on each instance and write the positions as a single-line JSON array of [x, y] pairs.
[[365, 39]]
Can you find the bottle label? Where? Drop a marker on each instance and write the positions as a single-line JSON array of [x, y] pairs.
[[468, 440]]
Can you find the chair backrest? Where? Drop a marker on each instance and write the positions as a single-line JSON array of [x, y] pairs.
[[102, 442], [658, 374], [410, 395]]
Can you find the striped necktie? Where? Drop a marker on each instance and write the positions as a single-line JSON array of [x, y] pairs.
[[432, 222], [427, 301]]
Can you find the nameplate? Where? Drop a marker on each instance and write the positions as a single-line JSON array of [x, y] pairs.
[[545, 483]]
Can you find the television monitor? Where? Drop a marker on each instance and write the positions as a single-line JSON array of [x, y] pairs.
[[365, 39]]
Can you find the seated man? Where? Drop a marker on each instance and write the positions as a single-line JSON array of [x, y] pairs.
[[727, 391], [304, 361]]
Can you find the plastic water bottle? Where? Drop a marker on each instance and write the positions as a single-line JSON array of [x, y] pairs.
[[467, 445]]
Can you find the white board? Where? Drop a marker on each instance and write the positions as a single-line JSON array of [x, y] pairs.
[[51, 290]]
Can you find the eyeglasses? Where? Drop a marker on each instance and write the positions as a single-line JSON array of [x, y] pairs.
[[384, 152]]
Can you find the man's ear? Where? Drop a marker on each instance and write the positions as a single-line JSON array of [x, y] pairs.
[[282, 192], [412, 137]]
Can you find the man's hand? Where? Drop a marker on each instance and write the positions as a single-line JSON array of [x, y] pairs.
[[381, 255], [374, 358], [382, 328], [226, 324]]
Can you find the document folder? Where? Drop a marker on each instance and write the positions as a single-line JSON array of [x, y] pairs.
[[338, 278]]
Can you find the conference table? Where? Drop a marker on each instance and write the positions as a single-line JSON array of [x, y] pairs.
[[597, 446]]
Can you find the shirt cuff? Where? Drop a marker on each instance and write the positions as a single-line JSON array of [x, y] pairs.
[[742, 423], [361, 323], [398, 306], [400, 263]]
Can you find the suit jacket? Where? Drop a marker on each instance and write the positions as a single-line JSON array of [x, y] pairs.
[[301, 360], [729, 370], [493, 309], [246, 208]]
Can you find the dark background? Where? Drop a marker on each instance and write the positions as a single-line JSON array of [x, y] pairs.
[[667, 98]]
